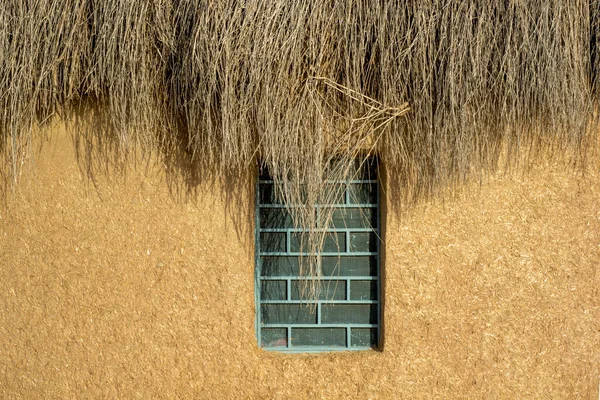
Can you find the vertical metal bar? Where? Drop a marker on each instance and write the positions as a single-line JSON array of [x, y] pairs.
[[379, 239], [348, 338], [347, 289], [257, 261], [347, 194], [347, 237], [288, 248], [289, 337], [319, 313], [318, 217]]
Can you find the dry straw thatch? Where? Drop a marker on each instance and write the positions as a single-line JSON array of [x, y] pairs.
[[436, 88]]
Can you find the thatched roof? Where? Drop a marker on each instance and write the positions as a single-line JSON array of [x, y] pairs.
[[435, 88]]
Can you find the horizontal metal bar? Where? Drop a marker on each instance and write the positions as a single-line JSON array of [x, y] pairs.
[[352, 181], [332, 182], [328, 254], [351, 205], [262, 326], [315, 349], [316, 278], [329, 230], [310, 302]]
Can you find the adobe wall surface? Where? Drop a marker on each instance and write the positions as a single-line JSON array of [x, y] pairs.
[[121, 291]]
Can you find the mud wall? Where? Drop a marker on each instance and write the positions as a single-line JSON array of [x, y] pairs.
[[119, 289]]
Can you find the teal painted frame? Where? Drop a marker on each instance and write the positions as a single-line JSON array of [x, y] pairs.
[[346, 231]]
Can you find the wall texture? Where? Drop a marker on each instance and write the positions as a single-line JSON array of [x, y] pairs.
[[121, 290]]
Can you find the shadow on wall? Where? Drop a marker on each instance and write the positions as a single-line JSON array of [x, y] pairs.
[[100, 153]]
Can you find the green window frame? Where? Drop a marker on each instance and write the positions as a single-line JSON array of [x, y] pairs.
[[346, 314]]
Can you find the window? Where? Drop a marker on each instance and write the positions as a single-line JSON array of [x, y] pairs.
[[345, 314]]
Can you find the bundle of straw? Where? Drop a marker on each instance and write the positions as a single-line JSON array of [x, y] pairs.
[[436, 88]]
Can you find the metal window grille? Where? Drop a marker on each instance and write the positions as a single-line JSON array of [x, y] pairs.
[[345, 314]]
